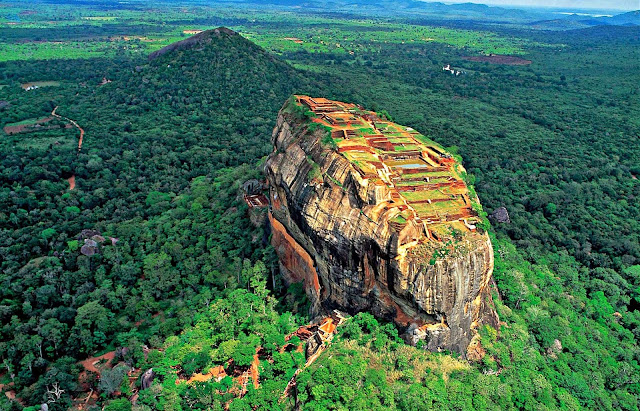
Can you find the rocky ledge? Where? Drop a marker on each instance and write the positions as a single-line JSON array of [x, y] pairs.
[[373, 216]]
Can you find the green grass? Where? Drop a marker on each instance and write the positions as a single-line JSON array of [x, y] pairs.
[[100, 18], [400, 140], [50, 50], [363, 131], [407, 148], [399, 219], [353, 36], [43, 143], [409, 183], [360, 156], [28, 121], [422, 195], [431, 175], [319, 34], [43, 139], [427, 141]]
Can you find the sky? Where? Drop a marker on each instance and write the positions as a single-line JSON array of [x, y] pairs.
[[569, 4]]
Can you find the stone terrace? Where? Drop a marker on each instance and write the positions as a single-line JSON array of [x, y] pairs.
[[424, 180]]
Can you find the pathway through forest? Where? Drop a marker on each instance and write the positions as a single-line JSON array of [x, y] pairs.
[[72, 179]]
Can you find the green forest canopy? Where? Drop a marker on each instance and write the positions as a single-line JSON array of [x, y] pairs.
[[170, 141]]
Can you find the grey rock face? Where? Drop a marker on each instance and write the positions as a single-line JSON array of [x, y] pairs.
[[147, 378], [252, 187], [312, 345], [88, 233], [360, 262], [500, 215], [89, 248]]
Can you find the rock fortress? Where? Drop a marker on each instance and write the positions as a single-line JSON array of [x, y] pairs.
[[374, 216]]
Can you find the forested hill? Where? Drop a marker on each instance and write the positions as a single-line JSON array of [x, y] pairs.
[[153, 174], [221, 77], [200, 39]]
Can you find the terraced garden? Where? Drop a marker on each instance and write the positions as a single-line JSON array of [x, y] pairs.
[[417, 171]]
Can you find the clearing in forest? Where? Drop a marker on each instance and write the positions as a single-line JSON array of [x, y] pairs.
[[37, 84], [99, 18], [91, 364], [29, 125]]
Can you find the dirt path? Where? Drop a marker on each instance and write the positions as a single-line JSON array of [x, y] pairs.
[[254, 371], [328, 329], [90, 363], [53, 113], [72, 179], [72, 182]]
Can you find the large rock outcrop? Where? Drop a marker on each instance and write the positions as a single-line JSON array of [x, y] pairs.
[[372, 216]]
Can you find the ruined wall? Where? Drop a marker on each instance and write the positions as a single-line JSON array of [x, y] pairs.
[[332, 231]]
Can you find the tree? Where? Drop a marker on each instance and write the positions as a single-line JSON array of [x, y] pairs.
[[121, 404], [92, 322], [54, 392], [111, 379]]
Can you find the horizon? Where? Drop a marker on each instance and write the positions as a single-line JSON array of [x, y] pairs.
[[603, 5]]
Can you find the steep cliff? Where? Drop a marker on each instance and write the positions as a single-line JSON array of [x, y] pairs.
[[373, 216]]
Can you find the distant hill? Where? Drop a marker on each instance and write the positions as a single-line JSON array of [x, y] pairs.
[[577, 21], [630, 18], [557, 24], [413, 8], [534, 18], [203, 38], [219, 73]]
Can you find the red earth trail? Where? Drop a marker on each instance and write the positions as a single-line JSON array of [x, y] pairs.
[[53, 113], [72, 182], [72, 179]]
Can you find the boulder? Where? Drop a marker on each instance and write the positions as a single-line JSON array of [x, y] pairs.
[[88, 233], [500, 215], [252, 187], [89, 248], [146, 379]]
